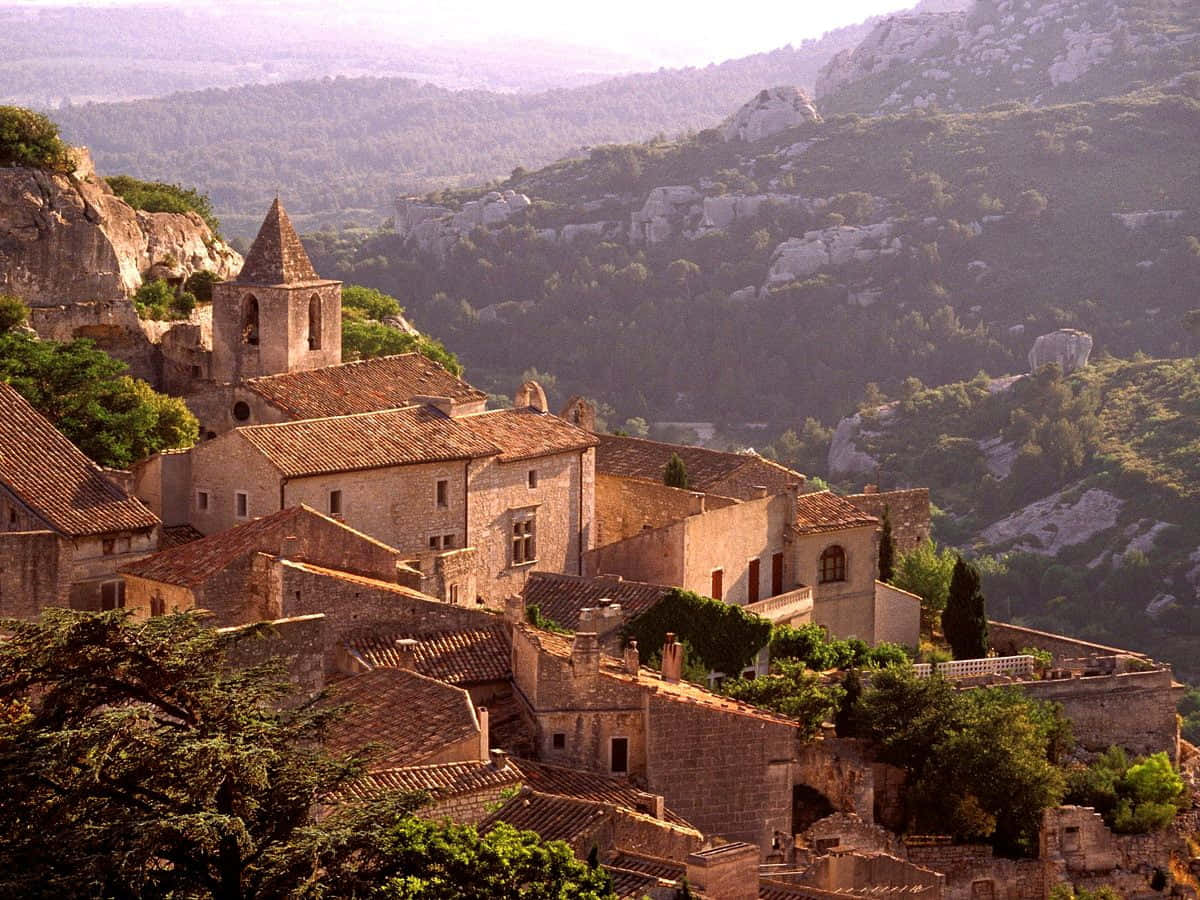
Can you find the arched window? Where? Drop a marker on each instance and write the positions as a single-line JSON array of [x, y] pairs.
[[314, 323], [833, 565], [250, 321]]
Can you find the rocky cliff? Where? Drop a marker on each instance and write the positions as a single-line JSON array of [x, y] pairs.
[[67, 239], [1036, 51]]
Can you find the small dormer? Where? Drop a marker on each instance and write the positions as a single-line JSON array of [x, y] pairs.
[[278, 315]]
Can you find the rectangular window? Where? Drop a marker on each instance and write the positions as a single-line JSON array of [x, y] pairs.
[[532, 478], [112, 595], [620, 755], [776, 574], [12, 515], [158, 606], [718, 583], [435, 542], [524, 547], [241, 505], [752, 585], [202, 501], [559, 740], [443, 494], [108, 546], [335, 503], [453, 593], [447, 542]]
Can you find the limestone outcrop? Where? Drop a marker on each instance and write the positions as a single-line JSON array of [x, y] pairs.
[[1053, 523], [773, 110], [437, 228], [67, 239], [1068, 347], [801, 257]]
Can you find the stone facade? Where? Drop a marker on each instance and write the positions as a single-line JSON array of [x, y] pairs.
[[908, 510], [846, 607], [296, 641], [35, 572], [625, 508]]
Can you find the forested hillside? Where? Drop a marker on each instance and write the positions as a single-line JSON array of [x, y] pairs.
[[342, 149]]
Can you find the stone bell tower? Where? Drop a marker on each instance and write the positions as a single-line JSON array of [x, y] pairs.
[[278, 315]]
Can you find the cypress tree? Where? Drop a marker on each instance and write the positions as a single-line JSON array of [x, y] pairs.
[[675, 472], [887, 549], [964, 621]]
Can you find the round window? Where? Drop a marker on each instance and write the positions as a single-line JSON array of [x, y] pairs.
[[241, 410]]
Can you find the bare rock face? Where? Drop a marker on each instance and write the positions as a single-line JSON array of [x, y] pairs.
[[438, 228], [67, 239], [773, 110], [1068, 347]]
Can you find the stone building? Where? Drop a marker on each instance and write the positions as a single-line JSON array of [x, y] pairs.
[[65, 527]]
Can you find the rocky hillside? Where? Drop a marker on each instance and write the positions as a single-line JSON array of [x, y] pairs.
[[1086, 486], [1034, 51], [75, 253]]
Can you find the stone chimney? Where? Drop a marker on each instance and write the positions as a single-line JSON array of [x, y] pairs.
[[696, 504], [729, 871], [651, 804], [531, 396], [633, 663], [514, 609], [870, 489], [445, 405], [406, 653], [672, 659], [602, 618], [289, 547], [758, 492], [585, 653], [485, 737]]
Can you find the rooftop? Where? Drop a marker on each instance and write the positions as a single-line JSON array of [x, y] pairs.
[[527, 433], [277, 257], [369, 385], [55, 480], [630, 457], [826, 511], [561, 597], [439, 780], [456, 656], [394, 437], [553, 818], [407, 716], [561, 781]]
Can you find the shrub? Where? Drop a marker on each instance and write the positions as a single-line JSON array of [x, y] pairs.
[[30, 139], [13, 313], [675, 472], [158, 196], [725, 638], [1133, 798], [157, 300], [790, 690]]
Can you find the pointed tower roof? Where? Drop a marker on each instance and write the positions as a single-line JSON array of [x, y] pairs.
[[277, 256]]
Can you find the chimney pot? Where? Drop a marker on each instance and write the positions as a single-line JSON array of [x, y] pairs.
[[406, 652], [870, 489], [672, 659], [484, 735], [585, 653], [633, 663], [514, 609], [444, 405], [759, 491]]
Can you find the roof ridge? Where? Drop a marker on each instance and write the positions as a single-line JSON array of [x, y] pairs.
[[343, 365], [357, 415]]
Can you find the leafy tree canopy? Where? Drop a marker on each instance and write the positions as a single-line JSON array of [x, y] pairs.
[[675, 472], [725, 637], [137, 763], [157, 196], [791, 690], [114, 419], [158, 300], [30, 139], [13, 313], [926, 571], [1133, 797], [964, 620], [810, 645]]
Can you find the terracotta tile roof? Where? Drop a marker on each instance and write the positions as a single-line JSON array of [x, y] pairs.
[[826, 511], [277, 256], [561, 781], [629, 885], [667, 869], [680, 691], [368, 385], [193, 562], [362, 580], [439, 780], [408, 716], [394, 437], [561, 597], [53, 477], [177, 536], [554, 818], [527, 433], [456, 656], [630, 457]]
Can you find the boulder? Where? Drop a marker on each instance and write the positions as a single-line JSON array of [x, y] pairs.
[[773, 110], [436, 229], [663, 213], [799, 258], [1053, 523], [1068, 347]]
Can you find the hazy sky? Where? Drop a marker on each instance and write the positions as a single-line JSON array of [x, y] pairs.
[[670, 30]]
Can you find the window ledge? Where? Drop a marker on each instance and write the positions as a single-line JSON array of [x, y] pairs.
[[522, 565]]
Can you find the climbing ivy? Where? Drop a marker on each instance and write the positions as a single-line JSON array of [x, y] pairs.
[[726, 638]]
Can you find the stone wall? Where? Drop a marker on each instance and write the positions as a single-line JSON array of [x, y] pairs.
[[222, 467], [1009, 640], [897, 616], [297, 641], [35, 572], [164, 483], [727, 774], [840, 771], [908, 510], [846, 608], [96, 558], [1134, 710], [649, 836], [469, 808], [848, 831], [856, 872], [973, 872], [142, 596], [625, 507]]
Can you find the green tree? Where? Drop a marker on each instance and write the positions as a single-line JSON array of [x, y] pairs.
[[790, 690], [140, 764], [158, 300], [926, 571], [964, 620], [887, 548], [114, 419], [157, 196], [675, 472], [30, 139], [1133, 797], [370, 339], [13, 313], [374, 304]]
